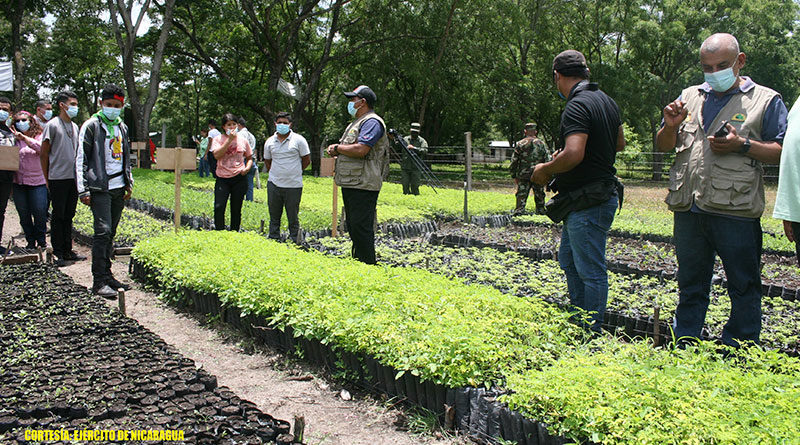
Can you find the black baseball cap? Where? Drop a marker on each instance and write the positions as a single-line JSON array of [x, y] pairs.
[[569, 59], [364, 92]]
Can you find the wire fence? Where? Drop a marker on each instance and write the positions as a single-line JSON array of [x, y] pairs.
[[490, 164]]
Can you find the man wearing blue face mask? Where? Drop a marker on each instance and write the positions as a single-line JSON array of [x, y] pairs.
[[44, 112], [104, 180], [722, 131], [362, 164], [59, 146], [286, 155]]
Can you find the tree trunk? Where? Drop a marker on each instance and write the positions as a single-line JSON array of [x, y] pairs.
[[16, 47], [438, 59]]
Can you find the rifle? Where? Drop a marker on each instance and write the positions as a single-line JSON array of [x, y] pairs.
[[430, 178]]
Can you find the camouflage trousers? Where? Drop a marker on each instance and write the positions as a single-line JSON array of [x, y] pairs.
[[410, 180], [523, 189]]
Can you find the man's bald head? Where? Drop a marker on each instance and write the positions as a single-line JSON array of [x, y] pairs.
[[720, 42]]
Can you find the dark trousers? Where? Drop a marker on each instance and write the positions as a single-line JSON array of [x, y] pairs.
[[235, 188], [279, 198], [796, 231], [203, 169], [31, 203], [5, 193], [107, 211], [410, 180], [359, 208], [64, 197], [251, 175], [738, 243]]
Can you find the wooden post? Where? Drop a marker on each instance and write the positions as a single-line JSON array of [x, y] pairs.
[[468, 159], [177, 189], [121, 300], [335, 215], [468, 174], [656, 326]]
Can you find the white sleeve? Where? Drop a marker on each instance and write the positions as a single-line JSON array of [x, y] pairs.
[[267, 151], [79, 159], [302, 145]]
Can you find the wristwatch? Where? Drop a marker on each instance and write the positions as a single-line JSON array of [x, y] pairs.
[[745, 146], [336, 150]]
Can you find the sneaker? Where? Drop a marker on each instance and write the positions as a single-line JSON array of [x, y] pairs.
[[73, 256], [116, 284], [59, 262], [105, 291]]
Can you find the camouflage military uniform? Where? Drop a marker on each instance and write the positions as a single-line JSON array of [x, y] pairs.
[[527, 153], [409, 171]]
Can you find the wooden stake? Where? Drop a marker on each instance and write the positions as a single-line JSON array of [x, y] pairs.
[[177, 189], [299, 428], [468, 173], [335, 215], [121, 300], [656, 326]]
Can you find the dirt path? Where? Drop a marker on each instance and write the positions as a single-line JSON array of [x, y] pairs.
[[279, 385]]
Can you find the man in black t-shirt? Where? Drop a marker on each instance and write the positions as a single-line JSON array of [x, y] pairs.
[[591, 130]]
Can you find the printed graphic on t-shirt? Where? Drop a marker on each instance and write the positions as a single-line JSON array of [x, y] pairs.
[[116, 148]]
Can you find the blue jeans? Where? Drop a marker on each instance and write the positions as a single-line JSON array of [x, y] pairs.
[[31, 202], [582, 256], [250, 178], [203, 169], [698, 237]]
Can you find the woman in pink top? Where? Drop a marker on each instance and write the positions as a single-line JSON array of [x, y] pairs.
[[30, 191], [234, 159]]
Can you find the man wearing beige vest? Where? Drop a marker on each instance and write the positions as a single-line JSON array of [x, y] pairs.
[[362, 164], [716, 187]]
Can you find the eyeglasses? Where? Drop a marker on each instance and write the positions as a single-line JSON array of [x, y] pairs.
[[20, 120]]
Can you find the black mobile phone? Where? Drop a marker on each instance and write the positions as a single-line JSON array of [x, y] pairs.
[[723, 130]]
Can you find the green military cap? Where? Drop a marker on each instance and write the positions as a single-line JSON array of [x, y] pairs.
[[530, 126], [415, 126]]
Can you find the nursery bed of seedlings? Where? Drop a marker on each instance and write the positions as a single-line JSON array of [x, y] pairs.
[[631, 302], [71, 364], [780, 273], [419, 335], [133, 227]]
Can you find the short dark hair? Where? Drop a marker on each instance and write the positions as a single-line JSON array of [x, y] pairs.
[[578, 71], [42, 102], [212, 122], [228, 117], [241, 121], [5, 100], [110, 91], [283, 115], [64, 96]]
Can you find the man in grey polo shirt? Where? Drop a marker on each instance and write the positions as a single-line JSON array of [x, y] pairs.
[[286, 155], [59, 145]]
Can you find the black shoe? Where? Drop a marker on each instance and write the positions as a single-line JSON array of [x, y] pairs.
[[116, 284], [73, 256], [58, 262], [104, 291]]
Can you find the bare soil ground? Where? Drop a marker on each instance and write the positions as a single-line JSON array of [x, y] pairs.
[[280, 385]]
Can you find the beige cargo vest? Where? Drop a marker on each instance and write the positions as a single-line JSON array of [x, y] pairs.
[[732, 183], [365, 173]]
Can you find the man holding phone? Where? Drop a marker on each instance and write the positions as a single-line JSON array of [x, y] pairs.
[[722, 132]]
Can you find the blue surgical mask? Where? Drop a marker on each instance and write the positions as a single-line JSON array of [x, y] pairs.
[[282, 129], [23, 126], [3, 115], [72, 111], [351, 108], [48, 114], [111, 112], [722, 80]]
